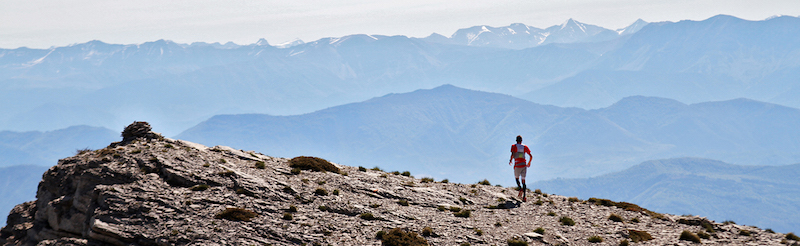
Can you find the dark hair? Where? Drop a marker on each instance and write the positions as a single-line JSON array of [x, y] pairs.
[[519, 139]]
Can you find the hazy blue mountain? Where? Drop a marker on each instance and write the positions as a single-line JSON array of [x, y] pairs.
[[465, 135], [521, 36], [17, 185], [176, 86], [45, 148], [764, 196], [720, 58]]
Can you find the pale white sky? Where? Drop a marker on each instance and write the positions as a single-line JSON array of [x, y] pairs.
[[46, 23]]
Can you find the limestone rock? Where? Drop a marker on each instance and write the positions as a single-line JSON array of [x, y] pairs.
[[150, 190]]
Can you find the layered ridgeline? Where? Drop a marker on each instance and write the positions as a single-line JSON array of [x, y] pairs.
[[149, 190], [573, 64], [18, 185], [465, 135], [765, 196]]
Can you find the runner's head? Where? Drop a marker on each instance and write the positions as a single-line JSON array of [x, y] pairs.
[[519, 139]]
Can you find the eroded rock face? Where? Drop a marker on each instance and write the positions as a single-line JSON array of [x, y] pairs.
[[150, 190]]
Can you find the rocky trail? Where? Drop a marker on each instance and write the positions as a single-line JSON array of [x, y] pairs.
[[150, 190]]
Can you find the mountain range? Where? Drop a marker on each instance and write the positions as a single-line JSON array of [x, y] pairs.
[[45, 148], [465, 135], [177, 86], [765, 196]]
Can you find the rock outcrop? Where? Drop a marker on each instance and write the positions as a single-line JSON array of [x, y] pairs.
[[150, 190]]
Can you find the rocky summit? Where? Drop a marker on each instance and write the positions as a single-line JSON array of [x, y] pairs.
[[151, 190]]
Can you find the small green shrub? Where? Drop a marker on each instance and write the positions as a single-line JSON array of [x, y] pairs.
[[336, 192], [515, 242], [396, 172], [728, 222], [792, 236], [445, 181], [539, 230], [538, 202], [498, 224], [551, 213], [703, 235], [236, 214], [689, 236], [82, 151], [573, 199], [313, 163], [222, 161], [426, 180], [745, 233], [403, 202], [538, 191], [287, 216], [379, 235], [226, 173], [464, 244], [321, 192], [373, 205], [624, 242], [292, 209], [639, 236], [479, 232], [441, 208], [362, 169], [261, 165], [595, 239], [168, 146], [200, 187], [398, 237], [567, 221], [406, 173], [322, 208], [376, 168], [463, 214], [367, 216], [296, 171], [635, 220], [455, 209], [484, 182], [427, 231], [615, 218], [769, 230]]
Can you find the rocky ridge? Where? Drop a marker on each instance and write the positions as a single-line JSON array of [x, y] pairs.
[[151, 190]]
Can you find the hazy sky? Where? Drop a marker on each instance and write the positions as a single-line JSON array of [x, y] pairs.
[[45, 23]]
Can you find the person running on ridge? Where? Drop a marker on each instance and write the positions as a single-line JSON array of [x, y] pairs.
[[518, 152]]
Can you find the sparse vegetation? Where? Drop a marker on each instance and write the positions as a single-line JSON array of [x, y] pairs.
[[455, 209], [362, 169], [82, 151], [445, 181], [792, 236], [336, 192], [573, 199], [312, 163], [498, 224], [537, 191], [635, 220], [292, 209], [484, 182], [403, 202], [427, 231], [623, 205], [595, 239], [639, 236], [539, 230], [426, 180], [463, 214], [515, 242], [745, 233], [367, 216], [689, 236], [322, 208], [703, 235], [296, 171], [376, 168], [236, 214], [624, 242], [261, 165], [321, 192], [615, 218], [406, 173], [479, 232], [398, 237], [551, 213], [567, 221], [287, 216]]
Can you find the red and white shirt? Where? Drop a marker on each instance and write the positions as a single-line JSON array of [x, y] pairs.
[[519, 150]]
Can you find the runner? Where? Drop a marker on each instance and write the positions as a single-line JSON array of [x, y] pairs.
[[518, 152]]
